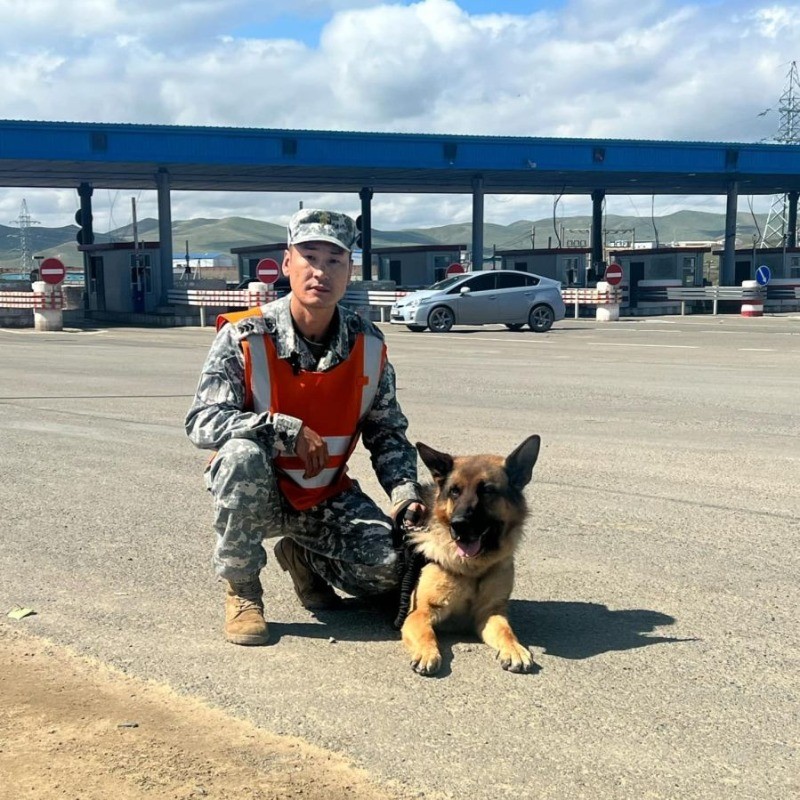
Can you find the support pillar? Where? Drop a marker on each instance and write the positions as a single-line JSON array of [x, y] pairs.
[[727, 273], [477, 222], [51, 317], [791, 228], [164, 233], [598, 267], [86, 233], [366, 233]]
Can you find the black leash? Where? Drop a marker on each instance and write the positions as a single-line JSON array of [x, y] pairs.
[[409, 564]]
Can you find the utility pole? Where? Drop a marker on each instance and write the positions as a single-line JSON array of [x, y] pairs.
[[788, 133], [25, 222]]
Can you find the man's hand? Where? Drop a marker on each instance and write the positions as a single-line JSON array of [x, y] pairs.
[[413, 516], [311, 449]]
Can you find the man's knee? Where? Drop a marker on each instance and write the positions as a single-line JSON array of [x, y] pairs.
[[242, 473]]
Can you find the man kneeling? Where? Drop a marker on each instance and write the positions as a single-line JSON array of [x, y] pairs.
[[284, 394]]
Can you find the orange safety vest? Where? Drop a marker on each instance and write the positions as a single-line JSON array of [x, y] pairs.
[[332, 403]]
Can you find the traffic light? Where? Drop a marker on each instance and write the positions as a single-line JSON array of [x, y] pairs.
[[360, 229], [85, 235]]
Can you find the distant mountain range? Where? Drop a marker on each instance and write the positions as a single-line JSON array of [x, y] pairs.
[[220, 235]]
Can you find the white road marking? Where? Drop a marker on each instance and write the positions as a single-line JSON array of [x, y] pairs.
[[31, 331], [469, 338], [755, 350], [634, 344]]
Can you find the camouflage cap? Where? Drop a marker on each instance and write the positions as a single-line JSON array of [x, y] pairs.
[[316, 225]]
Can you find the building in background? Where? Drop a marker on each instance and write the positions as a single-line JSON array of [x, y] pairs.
[[415, 266], [569, 265], [648, 273]]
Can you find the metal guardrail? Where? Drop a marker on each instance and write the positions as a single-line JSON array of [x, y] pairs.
[[219, 298], [714, 293], [591, 297], [47, 301], [382, 298], [783, 291]]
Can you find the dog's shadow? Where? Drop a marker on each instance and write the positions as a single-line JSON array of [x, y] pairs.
[[577, 630], [564, 629]]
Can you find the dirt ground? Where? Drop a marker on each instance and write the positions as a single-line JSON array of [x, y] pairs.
[[72, 728]]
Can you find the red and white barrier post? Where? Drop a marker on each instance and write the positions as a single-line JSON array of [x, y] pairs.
[[49, 315], [753, 306]]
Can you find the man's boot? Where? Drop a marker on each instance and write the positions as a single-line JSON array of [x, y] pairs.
[[244, 613], [314, 593]]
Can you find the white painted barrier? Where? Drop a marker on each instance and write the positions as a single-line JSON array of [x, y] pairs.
[[600, 297], [256, 294], [609, 311], [753, 307], [49, 316], [45, 300]]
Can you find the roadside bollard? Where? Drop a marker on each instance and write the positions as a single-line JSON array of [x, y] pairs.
[[752, 306], [48, 318], [610, 311]]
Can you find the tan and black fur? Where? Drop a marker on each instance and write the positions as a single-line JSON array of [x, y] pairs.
[[476, 513]]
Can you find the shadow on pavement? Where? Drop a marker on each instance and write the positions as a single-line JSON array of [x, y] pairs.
[[564, 629], [583, 630]]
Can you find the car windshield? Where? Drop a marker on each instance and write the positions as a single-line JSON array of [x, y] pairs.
[[447, 282]]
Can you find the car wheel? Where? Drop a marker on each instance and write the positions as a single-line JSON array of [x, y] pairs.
[[416, 328], [541, 319], [441, 319], [514, 326]]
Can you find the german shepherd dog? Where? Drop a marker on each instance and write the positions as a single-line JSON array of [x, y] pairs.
[[476, 512]]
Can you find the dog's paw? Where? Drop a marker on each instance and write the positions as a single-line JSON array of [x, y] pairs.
[[426, 663], [517, 658]]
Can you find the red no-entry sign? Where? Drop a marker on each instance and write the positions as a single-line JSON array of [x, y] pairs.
[[52, 270], [454, 269], [613, 274], [267, 270]]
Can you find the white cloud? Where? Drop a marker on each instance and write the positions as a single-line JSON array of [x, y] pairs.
[[775, 21], [604, 68]]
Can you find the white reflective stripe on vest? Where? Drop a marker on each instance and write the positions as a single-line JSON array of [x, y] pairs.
[[259, 373], [337, 445], [373, 357], [323, 479]]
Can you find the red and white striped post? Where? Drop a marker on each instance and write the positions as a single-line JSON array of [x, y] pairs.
[[752, 306]]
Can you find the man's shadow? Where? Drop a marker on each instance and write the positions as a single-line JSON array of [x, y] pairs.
[[358, 620], [565, 629]]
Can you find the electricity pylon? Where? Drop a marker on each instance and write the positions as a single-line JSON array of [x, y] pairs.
[[788, 133]]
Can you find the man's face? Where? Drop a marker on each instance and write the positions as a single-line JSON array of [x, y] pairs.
[[318, 273]]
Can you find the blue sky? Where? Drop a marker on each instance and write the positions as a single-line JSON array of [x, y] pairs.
[[641, 69]]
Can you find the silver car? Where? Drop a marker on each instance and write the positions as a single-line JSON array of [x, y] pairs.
[[506, 297]]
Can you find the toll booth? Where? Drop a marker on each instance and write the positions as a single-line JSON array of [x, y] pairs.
[[568, 265], [248, 257], [648, 273], [122, 279], [415, 266], [784, 267], [783, 262]]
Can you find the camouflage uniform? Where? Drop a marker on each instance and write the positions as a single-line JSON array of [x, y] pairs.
[[348, 537]]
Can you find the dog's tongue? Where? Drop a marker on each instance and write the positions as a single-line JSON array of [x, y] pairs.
[[468, 549]]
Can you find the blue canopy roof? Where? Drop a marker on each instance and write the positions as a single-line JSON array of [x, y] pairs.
[[124, 156]]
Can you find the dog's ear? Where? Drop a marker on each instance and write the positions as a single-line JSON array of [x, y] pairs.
[[519, 465], [440, 464]]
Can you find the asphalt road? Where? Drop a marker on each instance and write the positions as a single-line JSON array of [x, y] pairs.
[[657, 586]]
